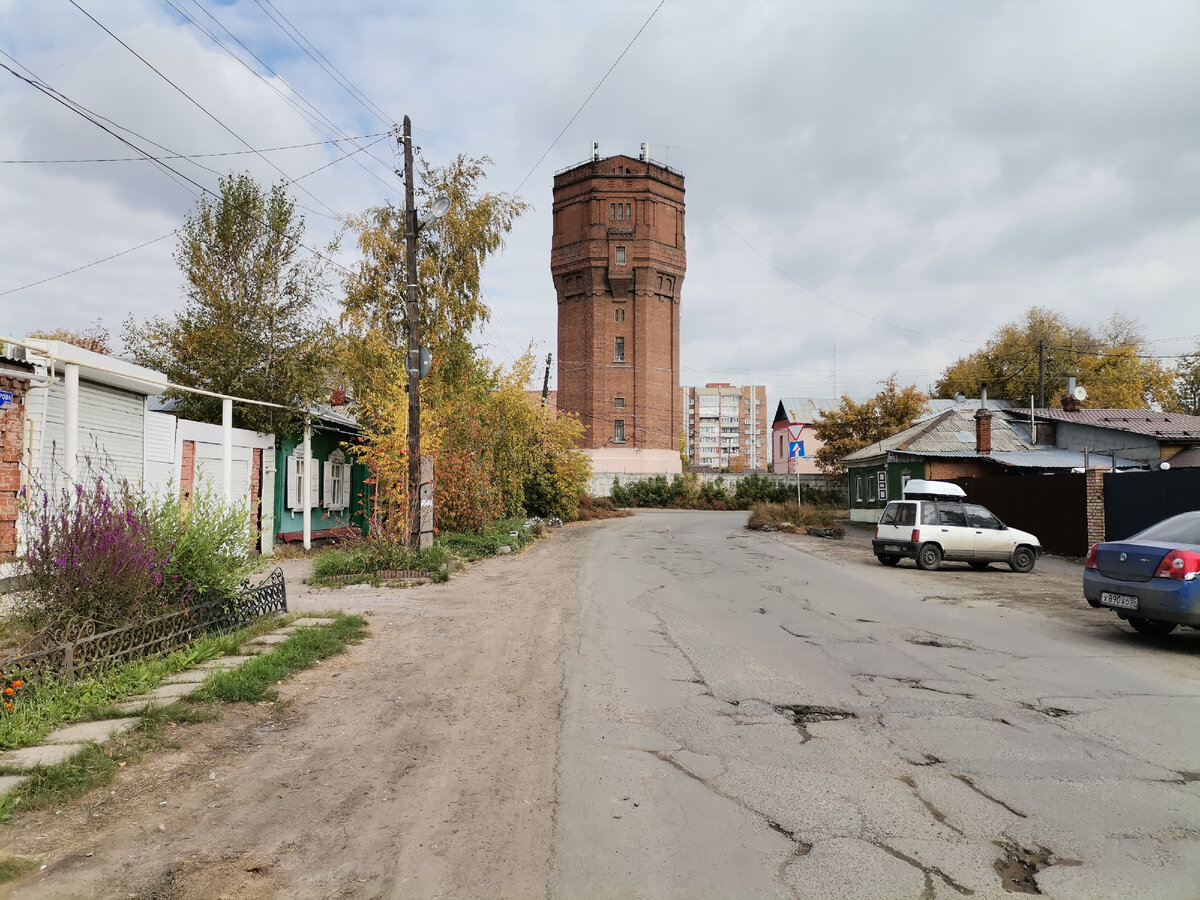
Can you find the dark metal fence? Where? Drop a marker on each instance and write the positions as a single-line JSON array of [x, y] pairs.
[[73, 648], [1135, 500], [1053, 507]]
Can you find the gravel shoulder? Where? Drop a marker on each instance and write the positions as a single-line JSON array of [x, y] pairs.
[[419, 763]]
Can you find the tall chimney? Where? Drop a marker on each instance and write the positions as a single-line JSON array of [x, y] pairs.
[[983, 425]]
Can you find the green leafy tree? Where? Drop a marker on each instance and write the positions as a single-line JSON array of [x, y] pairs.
[[1109, 362], [1187, 383], [252, 325], [852, 425]]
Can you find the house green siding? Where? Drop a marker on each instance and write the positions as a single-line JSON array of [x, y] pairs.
[[873, 483], [324, 445]]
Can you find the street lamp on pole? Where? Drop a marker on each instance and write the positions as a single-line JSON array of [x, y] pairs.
[[413, 313]]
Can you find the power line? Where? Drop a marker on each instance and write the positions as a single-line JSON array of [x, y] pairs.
[[89, 265], [316, 118], [173, 173], [589, 97], [330, 69], [189, 156], [196, 103]]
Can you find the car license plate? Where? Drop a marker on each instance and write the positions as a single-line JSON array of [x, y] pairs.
[[892, 547], [1123, 601]]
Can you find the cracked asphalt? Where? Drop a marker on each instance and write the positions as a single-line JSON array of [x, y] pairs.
[[743, 717]]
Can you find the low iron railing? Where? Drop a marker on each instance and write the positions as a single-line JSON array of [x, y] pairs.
[[74, 647]]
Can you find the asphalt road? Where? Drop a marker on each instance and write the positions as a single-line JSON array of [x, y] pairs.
[[745, 719]]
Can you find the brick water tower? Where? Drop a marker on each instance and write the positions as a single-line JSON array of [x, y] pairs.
[[618, 262]]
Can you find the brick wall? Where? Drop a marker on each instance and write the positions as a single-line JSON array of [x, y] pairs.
[[187, 470], [618, 261], [12, 448], [1094, 487]]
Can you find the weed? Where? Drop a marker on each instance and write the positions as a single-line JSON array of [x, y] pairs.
[[13, 867], [253, 680]]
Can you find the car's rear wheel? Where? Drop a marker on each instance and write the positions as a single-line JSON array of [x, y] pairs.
[[1022, 560], [978, 566], [929, 557], [888, 559], [1151, 627]]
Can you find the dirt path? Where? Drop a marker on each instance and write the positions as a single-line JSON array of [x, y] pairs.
[[421, 763]]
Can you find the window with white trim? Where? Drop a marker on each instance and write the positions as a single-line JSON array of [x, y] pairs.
[[619, 349], [336, 495], [619, 431], [620, 255]]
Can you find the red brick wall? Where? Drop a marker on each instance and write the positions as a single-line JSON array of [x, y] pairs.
[[12, 447], [187, 474], [1094, 481], [599, 300]]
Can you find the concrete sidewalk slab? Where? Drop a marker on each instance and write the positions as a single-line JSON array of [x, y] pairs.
[[269, 639], [46, 755], [310, 621], [190, 676], [224, 662], [90, 731], [11, 782]]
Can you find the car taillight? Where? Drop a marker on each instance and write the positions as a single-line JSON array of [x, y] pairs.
[[1093, 558], [916, 536], [1182, 565]]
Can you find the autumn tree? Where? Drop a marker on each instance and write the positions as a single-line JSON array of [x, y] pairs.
[[853, 425], [471, 421], [1110, 362], [94, 337], [252, 324]]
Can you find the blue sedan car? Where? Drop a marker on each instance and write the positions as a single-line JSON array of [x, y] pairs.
[[1151, 580]]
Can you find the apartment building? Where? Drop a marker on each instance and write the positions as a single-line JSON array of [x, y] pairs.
[[724, 422]]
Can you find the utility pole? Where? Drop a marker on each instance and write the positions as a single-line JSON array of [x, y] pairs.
[[546, 381], [413, 360]]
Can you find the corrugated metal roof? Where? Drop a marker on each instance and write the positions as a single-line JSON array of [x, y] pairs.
[[1039, 458], [952, 430], [1164, 426], [1186, 459], [806, 409]]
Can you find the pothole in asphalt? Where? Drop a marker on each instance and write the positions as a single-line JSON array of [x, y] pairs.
[[1018, 866], [1054, 712], [803, 714]]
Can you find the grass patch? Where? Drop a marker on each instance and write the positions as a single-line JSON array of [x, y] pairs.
[[54, 702], [792, 516], [254, 680], [13, 867], [371, 555], [98, 764]]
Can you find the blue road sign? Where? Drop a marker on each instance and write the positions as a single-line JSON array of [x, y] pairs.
[[796, 450]]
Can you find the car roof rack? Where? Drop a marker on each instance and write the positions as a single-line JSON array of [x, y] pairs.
[[920, 489]]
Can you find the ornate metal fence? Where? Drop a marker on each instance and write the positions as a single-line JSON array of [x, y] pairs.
[[74, 647]]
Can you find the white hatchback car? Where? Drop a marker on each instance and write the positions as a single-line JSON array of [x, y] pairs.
[[933, 523]]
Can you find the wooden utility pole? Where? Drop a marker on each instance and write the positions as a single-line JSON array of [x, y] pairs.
[[413, 360]]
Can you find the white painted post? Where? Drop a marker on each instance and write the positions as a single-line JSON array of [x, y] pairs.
[[305, 482], [227, 447], [71, 422]]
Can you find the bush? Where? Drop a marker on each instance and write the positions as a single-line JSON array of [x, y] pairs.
[[792, 516], [205, 541], [91, 553], [100, 550], [376, 554]]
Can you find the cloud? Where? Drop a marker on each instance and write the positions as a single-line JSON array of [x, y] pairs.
[[893, 180]]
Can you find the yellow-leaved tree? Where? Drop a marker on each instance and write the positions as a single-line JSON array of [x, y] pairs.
[[1110, 362], [496, 451], [852, 425]]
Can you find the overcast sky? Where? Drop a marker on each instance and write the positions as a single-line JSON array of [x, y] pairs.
[[872, 187]]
